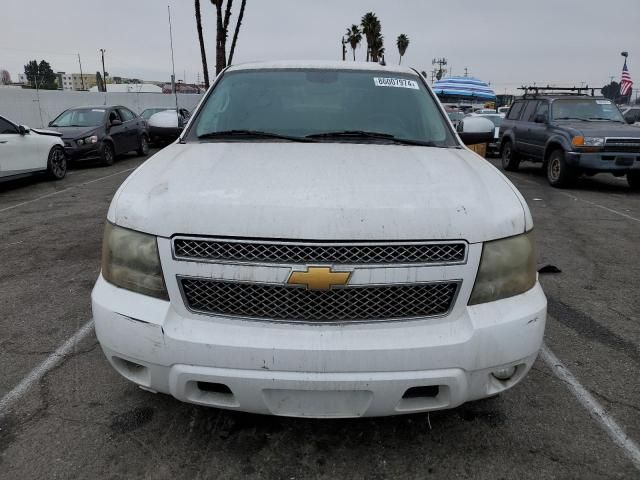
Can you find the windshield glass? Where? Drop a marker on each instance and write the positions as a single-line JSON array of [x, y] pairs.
[[149, 112], [586, 109], [82, 117], [302, 102], [496, 119]]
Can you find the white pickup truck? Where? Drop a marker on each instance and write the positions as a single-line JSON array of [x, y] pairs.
[[320, 243]]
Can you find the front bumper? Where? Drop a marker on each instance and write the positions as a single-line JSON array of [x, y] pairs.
[[319, 370], [81, 152], [157, 134], [610, 162]]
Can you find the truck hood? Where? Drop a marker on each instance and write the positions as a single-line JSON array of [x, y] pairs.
[[320, 191], [601, 128]]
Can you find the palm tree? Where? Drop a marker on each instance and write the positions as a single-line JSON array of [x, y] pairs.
[[369, 24], [403, 44], [354, 37], [222, 27], [203, 53], [235, 34], [377, 47]]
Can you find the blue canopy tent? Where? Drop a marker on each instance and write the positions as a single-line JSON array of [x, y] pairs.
[[455, 89]]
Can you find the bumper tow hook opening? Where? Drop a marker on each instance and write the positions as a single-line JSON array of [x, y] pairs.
[[429, 391]]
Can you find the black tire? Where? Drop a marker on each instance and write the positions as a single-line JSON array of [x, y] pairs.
[[633, 179], [107, 154], [510, 159], [57, 163], [559, 174], [143, 149]]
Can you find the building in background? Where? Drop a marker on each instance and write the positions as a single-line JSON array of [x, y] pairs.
[[77, 81], [65, 81]]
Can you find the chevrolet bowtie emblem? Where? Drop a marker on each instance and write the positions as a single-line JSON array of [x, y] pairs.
[[319, 278]]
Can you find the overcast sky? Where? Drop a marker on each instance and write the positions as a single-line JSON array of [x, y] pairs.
[[500, 41]]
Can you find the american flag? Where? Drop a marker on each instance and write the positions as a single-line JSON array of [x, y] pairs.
[[625, 81]]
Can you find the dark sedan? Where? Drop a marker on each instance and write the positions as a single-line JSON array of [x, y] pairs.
[[101, 133]]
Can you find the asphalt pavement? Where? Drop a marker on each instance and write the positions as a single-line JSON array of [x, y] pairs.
[[64, 412]]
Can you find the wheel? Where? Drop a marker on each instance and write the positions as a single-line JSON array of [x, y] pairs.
[[633, 179], [57, 163], [559, 174], [143, 150], [510, 159], [107, 155]]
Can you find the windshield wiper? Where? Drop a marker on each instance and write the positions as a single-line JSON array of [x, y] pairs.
[[607, 119], [374, 135], [572, 118], [252, 134]]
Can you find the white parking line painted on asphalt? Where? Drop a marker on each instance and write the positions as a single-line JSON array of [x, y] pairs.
[[66, 189], [50, 362], [597, 411], [531, 182]]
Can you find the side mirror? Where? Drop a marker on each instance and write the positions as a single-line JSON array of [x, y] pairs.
[[23, 129], [630, 120], [540, 118], [474, 130], [50, 123], [116, 122]]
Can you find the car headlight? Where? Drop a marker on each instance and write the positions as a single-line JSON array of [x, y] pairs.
[[91, 139], [580, 141], [130, 260], [507, 268], [80, 141]]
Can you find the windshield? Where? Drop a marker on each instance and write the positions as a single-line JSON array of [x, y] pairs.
[[149, 112], [586, 109], [496, 119], [82, 117], [302, 102]]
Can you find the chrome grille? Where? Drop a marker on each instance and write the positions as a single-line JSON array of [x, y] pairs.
[[310, 253], [295, 304]]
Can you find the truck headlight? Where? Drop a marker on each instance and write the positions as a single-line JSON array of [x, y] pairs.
[[130, 260], [580, 141], [507, 268]]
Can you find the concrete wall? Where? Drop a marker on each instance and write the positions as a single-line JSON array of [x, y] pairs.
[[23, 107]]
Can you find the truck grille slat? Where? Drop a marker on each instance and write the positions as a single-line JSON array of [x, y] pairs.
[[309, 253], [345, 304], [631, 145]]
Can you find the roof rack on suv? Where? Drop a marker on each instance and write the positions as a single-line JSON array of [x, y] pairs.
[[531, 92]]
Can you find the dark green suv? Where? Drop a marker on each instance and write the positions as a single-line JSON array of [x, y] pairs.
[[570, 135]]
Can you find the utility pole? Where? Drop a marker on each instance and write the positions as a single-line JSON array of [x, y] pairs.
[[104, 74], [466, 72], [81, 76], [441, 62]]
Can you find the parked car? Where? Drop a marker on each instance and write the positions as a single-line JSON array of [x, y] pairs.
[[570, 135], [455, 116], [25, 151], [165, 126], [632, 114], [101, 133], [493, 147], [320, 243]]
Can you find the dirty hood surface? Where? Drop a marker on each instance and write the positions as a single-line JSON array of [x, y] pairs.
[[319, 191]]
